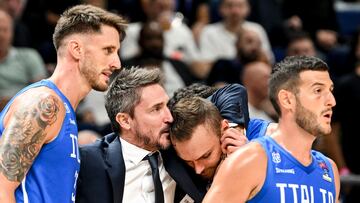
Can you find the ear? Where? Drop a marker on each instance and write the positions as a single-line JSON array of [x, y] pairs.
[[124, 120], [286, 100], [75, 49], [224, 125]]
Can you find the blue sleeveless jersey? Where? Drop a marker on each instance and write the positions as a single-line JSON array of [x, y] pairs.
[[52, 177], [288, 181], [256, 128]]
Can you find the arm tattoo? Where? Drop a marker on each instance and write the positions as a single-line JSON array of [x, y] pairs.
[[23, 138]]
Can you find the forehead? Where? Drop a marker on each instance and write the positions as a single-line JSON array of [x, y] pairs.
[[5, 19], [108, 36], [233, 2], [152, 94], [203, 140], [309, 78]]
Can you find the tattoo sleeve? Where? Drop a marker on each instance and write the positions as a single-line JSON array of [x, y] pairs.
[[25, 134]]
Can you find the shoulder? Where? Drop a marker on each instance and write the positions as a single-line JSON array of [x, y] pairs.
[[252, 151], [256, 128], [99, 146], [211, 28], [40, 105], [134, 28], [253, 26], [27, 53], [246, 160], [246, 167]]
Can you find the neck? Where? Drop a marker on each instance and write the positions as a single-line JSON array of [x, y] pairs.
[[3, 54], [131, 138], [295, 140], [231, 26], [69, 81], [254, 100]]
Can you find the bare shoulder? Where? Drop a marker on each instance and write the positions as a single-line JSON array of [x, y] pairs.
[[40, 105], [240, 176], [32, 120]]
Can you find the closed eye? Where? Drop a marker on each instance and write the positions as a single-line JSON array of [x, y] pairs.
[[109, 50]]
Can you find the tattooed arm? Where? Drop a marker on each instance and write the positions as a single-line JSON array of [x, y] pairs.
[[30, 123]]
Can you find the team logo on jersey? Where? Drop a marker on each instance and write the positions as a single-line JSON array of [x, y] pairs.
[[66, 108], [72, 121], [276, 157], [287, 170], [325, 169]]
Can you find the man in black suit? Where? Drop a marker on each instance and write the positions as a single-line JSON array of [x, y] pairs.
[[115, 168]]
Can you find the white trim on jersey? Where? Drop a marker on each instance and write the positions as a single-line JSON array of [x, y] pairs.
[[25, 195]]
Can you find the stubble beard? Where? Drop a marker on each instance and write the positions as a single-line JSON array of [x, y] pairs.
[[307, 121], [146, 140], [90, 74]]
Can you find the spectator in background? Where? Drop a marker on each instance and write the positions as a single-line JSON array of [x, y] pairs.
[[346, 121], [22, 36], [316, 17], [178, 39], [248, 48], [300, 43], [151, 43], [255, 77], [218, 40], [18, 66], [41, 18]]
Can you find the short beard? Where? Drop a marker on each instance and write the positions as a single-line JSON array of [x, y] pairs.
[[147, 141], [307, 120]]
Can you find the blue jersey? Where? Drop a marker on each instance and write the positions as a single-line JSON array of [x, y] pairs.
[[256, 128], [287, 180], [52, 176]]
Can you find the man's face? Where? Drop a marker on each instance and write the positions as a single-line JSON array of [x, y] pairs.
[[100, 57], [202, 151], [315, 92], [152, 41], [234, 11], [249, 45], [152, 118], [302, 47], [5, 31]]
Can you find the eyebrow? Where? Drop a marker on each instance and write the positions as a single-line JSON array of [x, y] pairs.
[[322, 84], [206, 153]]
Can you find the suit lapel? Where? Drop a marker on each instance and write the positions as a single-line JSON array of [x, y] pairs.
[[174, 166], [116, 169]]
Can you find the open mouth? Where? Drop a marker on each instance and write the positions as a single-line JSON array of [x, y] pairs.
[[328, 115]]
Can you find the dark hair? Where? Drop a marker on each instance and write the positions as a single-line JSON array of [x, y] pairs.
[[125, 91], [86, 19], [193, 90], [286, 75], [189, 113]]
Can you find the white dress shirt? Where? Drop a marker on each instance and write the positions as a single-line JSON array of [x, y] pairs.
[[216, 42], [178, 39], [139, 185]]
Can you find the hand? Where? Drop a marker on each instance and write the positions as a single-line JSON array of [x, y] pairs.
[[232, 139]]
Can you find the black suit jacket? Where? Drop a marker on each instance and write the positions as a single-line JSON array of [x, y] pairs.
[[102, 173]]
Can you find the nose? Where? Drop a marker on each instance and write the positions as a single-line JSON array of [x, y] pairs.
[[116, 63], [331, 100], [168, 116], [199, 168]]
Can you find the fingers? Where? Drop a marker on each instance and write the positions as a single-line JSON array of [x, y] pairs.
[[231, 140]]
